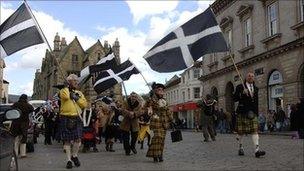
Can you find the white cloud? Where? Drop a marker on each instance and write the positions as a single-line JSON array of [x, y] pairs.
[[26, 88], [142, 9], [158, 28], [31, 57]]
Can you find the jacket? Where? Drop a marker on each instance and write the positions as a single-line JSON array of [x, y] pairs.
[[130, 124], [246, 103], [68, 106]]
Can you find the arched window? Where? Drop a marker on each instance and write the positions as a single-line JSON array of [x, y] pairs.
[[275, 90], [214, 93]]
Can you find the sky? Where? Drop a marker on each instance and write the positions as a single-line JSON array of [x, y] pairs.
[[138, 25]]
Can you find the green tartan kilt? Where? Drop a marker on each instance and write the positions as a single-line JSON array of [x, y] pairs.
[[245, 125]]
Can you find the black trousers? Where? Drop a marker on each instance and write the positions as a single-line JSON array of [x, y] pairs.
[[126, 140], [49, 131]]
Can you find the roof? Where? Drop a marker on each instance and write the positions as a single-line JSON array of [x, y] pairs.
[[90, 49], [173, 81], [65, 50]]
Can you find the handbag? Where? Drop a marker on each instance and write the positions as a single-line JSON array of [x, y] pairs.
[[250, 115], [71, 123], [176, 136]]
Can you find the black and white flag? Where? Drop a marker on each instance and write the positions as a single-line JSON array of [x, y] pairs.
[[179, 49], [110, 77], [105, 63], [19, 31]]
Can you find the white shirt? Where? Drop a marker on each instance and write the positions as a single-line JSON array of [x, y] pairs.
[[251, 89]]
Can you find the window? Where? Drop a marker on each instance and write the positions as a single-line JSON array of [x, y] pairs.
[[98, 56], [74, 58], [302, 10], [228, 35], [196, 73], [247, 27], [272, 19], [189, 95], [184, 96], [196, 92], [188, 72]]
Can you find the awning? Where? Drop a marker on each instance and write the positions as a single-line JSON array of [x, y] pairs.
[[184, 107]]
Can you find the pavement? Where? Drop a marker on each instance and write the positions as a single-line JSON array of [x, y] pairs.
[[282, 153]]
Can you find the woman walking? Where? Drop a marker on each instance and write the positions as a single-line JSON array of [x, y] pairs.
[[160, 121]]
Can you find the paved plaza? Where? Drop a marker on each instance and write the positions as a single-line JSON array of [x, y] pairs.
[[283, 153]]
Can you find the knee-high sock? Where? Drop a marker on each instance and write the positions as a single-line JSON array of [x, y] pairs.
[[22, 149], [255, 139], [76, 146], [67, 147], [239, 139], [17, 143]]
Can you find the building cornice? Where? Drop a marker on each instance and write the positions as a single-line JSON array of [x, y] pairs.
[[220, 5], [260, 57]]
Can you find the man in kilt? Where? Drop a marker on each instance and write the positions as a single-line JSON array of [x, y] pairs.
[[72, 103], [160, 121], [247, 111]]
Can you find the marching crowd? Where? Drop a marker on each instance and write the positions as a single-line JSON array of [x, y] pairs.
[[134, 119]]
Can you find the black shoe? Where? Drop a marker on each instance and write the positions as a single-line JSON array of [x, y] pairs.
[[155, 159], [259, 153], [107, 147], [241, 152], [134, 150], [213, 139], [95, 150], [160, 159], [127, 153], [111, 148], [76, 161], [69, 165], [206, 140]]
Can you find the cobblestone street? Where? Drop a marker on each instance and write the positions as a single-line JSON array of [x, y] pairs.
[[282, 153]]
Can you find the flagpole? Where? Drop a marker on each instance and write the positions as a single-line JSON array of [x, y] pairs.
[[230, 55], [141, 74], [44, 37], [125, 90]]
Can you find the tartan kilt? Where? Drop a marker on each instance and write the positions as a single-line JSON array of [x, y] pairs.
[[69, 135], [245, 125], [157, 145]]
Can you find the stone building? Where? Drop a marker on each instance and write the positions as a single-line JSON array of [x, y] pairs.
[[267, 38], [72, 58], [2, 82], [182, 93]]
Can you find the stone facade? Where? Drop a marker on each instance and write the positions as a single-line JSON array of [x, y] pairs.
[[266, 37], [72, 58], [2, 87]]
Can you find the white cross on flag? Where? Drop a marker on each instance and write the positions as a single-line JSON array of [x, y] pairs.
[[180, 48], [19, 31], [110, 77]]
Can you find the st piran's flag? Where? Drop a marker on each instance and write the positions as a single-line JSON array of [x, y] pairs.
[[110, 77], [179, 49], [19, 31], [105, 63]]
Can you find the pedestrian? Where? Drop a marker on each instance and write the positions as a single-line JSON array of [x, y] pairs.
[[131, 110], [294, 121], [161, 119], [72, 104], [279, 119], [144, 131], [20, 126], [207, 107], [49, 123], [222, 121], [300, 115], [247, 110], [228, 122], [262, 121], [101, 120], [110, 128]]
